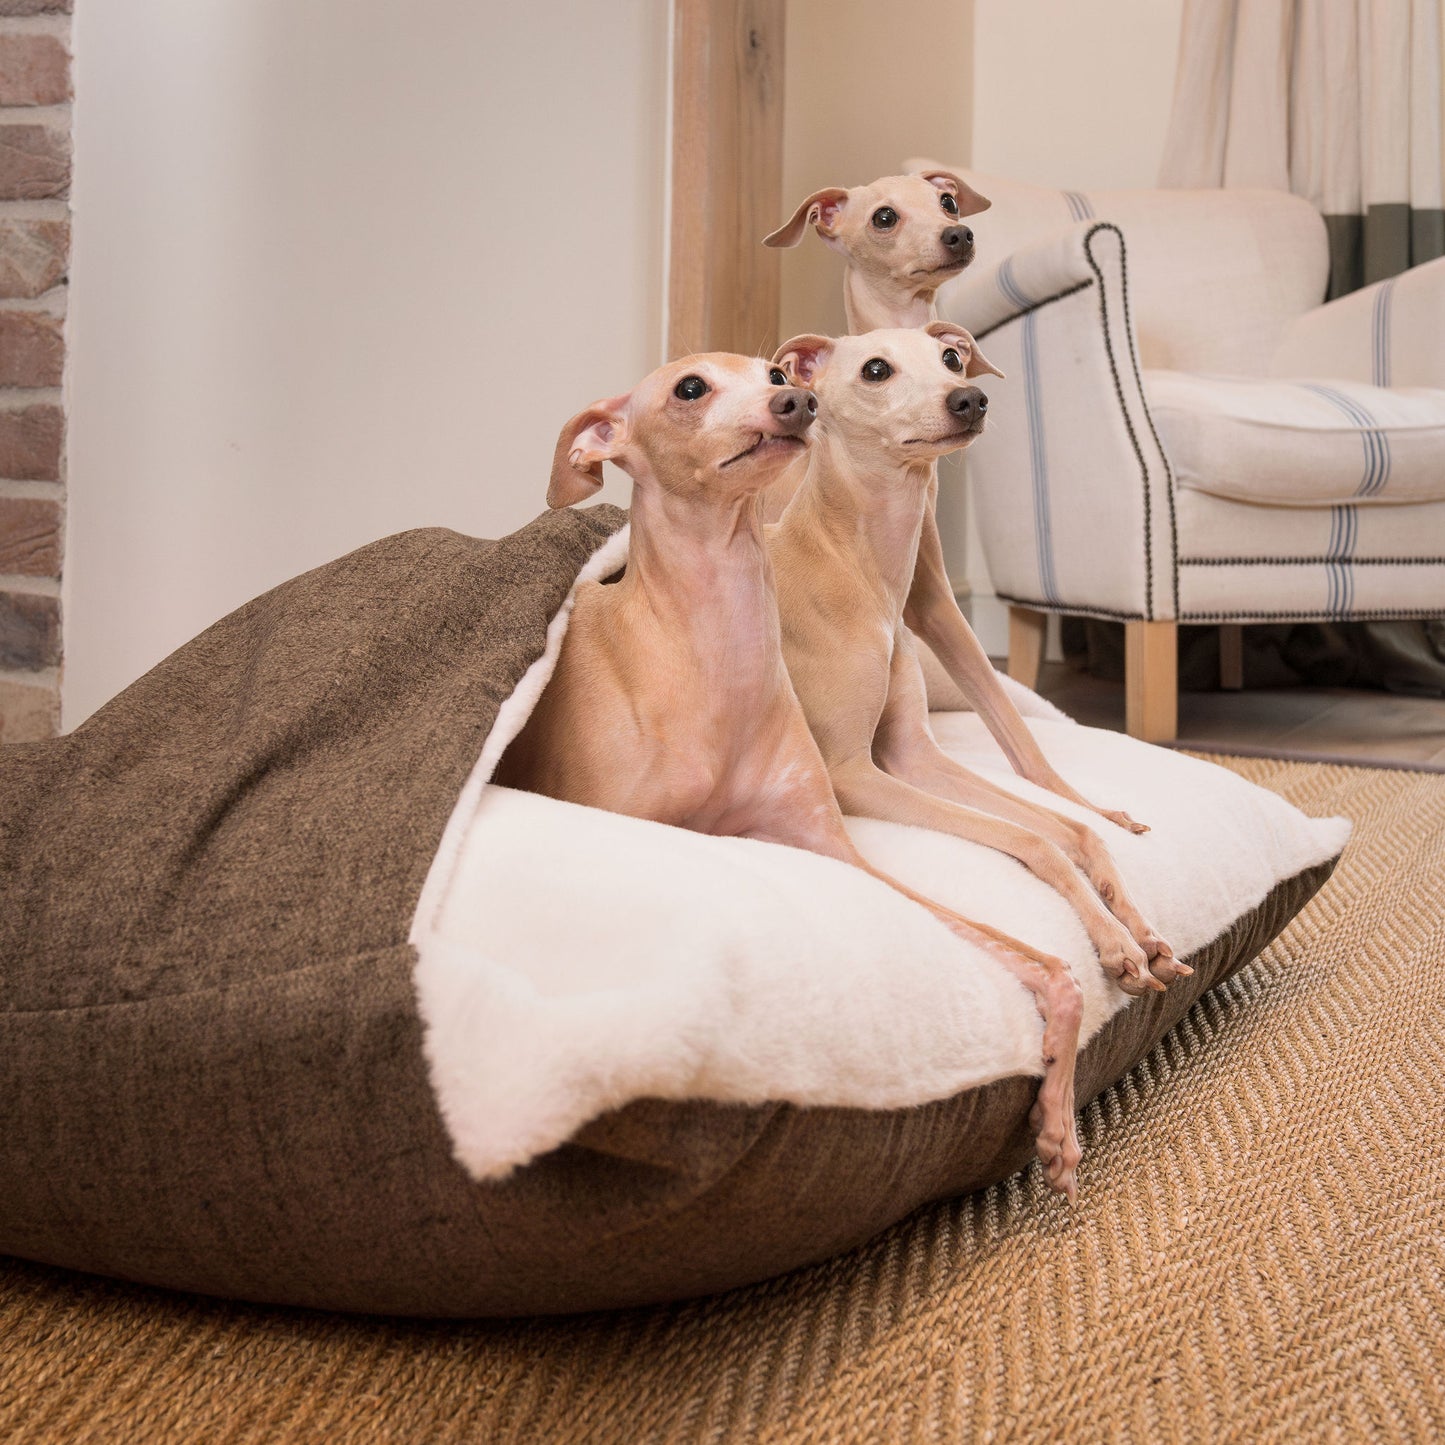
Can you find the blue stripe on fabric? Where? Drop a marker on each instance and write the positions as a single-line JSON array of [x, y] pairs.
[[1339, 570], [1374, 440], [1080, 207], [1006, 283], [1380, 333], [1038, 462]]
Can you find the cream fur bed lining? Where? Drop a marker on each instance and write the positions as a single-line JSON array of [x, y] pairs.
[[571, 960]]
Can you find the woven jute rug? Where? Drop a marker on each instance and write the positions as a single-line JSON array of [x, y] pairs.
[[1258, 1254]]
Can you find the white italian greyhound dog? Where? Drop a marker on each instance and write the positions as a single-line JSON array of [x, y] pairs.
[[891, 403], [671, 698]]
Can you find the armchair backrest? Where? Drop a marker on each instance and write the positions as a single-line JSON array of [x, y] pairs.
[[1214, 276]]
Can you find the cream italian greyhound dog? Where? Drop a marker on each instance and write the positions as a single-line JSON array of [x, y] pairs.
[[892, 402], [671, 699], [902, 238]]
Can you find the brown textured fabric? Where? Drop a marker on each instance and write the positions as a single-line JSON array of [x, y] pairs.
[[210, 1059], [273, 792], [1255, 1257]]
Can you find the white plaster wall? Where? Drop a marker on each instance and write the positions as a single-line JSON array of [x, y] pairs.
[[341, 267]]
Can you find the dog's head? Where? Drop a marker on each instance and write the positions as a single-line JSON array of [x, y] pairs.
[[715, 425], [906, 393], [907, 230]]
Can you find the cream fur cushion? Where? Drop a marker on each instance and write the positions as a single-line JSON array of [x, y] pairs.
[[572, 960]]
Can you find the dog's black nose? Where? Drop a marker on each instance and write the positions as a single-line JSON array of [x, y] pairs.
[[794, 407], [958, 239], [968, 404]]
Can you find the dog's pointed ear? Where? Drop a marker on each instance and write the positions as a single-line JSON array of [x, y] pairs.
[[978, 364], [970, 203], [595, 435], [821, 209], [804, 357]]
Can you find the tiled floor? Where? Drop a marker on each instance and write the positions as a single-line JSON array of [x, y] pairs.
[[1377, 729]]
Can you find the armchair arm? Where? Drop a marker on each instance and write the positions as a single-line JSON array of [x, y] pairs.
[[1388, 334], [984, 298], [1070, 485]]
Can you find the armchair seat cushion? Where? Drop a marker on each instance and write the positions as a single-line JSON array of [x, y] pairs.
[[1311, 443]]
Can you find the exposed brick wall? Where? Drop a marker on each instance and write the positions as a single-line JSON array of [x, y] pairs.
[[34, 258]]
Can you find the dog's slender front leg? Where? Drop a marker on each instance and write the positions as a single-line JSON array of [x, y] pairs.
[[818, 827], [905, 748], [865, 791], [932, 612], [937, 773]]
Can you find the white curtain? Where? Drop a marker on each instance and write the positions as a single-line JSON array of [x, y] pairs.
[[1336, 100]]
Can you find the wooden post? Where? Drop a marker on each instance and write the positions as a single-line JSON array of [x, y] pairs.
[[1027, 630], [727, 175], [1151, 681]]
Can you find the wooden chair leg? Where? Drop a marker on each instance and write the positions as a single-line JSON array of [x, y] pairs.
[[1151, 681], [1231, 656], [1026, 632]]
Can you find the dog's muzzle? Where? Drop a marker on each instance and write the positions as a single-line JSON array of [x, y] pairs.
[[795, 409], [968, 404]]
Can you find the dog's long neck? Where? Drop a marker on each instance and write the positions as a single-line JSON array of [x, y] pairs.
[[699, 571], [866, 506], [872, 304]]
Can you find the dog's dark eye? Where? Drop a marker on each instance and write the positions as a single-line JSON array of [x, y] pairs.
[[778, 378], [948, 204], [690, 388], [885, 218], [952, 360], [876, 369]]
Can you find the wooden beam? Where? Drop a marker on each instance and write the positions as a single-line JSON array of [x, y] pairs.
[[727, 175]]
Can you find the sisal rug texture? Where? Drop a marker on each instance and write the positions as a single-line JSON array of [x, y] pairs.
[[1258, 1255]]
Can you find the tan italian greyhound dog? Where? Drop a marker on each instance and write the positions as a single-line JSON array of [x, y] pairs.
[[902, 238], [672, 700], [893, 402]]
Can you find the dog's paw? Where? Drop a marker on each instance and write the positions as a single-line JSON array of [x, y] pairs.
[[1164, 966], [1057, 1144], [1138, 987], [1122, 820], [1125, 961]]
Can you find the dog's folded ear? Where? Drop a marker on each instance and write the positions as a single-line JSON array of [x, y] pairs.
[[820, 209], [977, 364], [595, 435], [970, 203], [803, 358]]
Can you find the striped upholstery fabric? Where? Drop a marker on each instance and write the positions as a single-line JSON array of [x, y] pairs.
[[1245, 562], [1389, 334], [1258, 257], [1301, 443], [1278, 460]]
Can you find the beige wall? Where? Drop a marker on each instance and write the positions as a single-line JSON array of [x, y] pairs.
[[342, 267], [868, 83], [1071, 95]]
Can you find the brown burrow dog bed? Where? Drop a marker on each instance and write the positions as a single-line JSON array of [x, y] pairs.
[[295, 1007]]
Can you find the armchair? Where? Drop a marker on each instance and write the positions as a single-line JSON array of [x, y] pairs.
[[1186, 434]]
